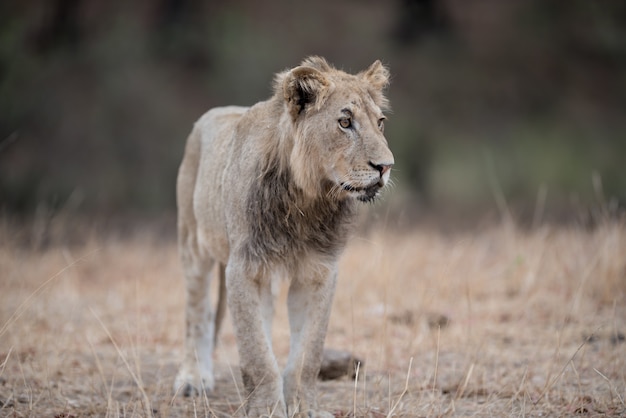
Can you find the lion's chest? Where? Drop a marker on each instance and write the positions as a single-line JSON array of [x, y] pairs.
[[282, 227]]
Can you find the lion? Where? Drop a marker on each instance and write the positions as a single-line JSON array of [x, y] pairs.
[[269, 192]]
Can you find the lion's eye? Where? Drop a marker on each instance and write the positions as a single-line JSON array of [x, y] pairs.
[[381, 123], [345, 123]]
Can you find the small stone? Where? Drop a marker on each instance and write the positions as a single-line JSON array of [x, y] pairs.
[[617, 338], [338, 363], [437, 320], [403, 318], [410, 318]]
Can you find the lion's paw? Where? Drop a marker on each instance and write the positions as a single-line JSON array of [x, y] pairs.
[[262, 407], [192, 384]]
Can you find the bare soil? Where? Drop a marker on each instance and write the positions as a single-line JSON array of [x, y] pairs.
[[495, 322]]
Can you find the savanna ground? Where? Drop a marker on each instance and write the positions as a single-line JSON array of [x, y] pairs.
[[498, 321]]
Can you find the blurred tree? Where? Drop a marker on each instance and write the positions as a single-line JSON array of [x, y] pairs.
[[416, 18], [62, 26], [180, 35], [96, 98]]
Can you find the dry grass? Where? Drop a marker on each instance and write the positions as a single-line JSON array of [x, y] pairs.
[[502, 322]]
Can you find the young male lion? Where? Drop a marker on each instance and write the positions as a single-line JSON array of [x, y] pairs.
[[267, 192]]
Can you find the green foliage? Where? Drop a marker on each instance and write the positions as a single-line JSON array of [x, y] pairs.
[[96, 100]]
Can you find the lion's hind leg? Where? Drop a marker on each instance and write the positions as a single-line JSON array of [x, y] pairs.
[[196, 372]]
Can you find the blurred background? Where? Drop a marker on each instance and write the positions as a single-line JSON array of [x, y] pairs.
[[514, 107]]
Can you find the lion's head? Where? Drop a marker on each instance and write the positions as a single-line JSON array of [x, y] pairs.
[[339, 147]]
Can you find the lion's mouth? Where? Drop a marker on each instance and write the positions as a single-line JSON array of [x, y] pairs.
[[365, 193]]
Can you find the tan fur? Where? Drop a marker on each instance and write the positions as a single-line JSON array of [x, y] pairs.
[[269, 192]]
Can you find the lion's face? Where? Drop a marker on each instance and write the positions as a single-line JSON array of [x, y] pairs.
[[340, 148], [354, 154]]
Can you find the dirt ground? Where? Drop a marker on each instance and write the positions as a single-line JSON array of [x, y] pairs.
[[495, 322]]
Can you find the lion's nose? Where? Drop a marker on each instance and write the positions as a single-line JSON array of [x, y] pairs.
[[382, 168]]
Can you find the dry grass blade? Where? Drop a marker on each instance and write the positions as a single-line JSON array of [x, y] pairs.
[[436, 359], [463, 387], [569, 361], [241, 399], [26, 303], [611, 387], [520, 389], [146, 399], [100, 369], [406, 388], [5, 361], [356, 382]]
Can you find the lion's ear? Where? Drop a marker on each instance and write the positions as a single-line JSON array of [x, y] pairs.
[[377, 76], [316, 62], [304, 86]]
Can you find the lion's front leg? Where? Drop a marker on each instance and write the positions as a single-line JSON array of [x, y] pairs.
[[309, 303], [248, 299]]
